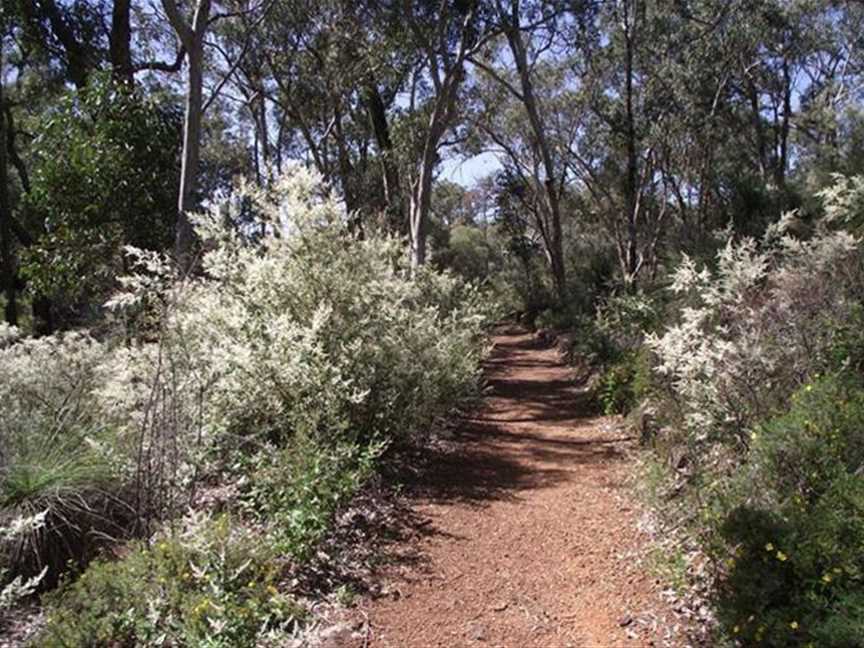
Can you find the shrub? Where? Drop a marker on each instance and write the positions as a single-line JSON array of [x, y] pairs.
[[212, 583], [11, 591], [792, 526], [311, 331], [625, 382], [625, 319], [104, 173], [51, 461], [296, 354], [295, 491], [761, 371], [756, 329]]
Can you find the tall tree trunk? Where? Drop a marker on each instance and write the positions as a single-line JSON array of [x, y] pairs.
[[758, 129], [8, 275], [632, 181], [389, 171], [346, 169], [785, 125], [43, 320], [192, 38], [550, 188], [421, 200], [120, 49], [421, 191], [447, 71], [184, 234], [266, 154]]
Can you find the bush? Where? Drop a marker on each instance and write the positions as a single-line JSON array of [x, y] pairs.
[[756, 329], [310, 331], [212, 583], [625, 382], [51, 463], [625, 319], [17, 588], [793, 535], [295, 491], [104, 174], [296, 353], [760, 372]]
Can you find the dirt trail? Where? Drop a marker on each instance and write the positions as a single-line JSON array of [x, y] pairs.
[[528, 538]]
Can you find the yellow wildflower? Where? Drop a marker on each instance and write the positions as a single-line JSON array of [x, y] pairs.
[[781, 556], [794, 625], [769, 547], [827, 578]]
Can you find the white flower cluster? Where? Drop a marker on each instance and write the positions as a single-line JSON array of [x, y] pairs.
[[302, 329], [18, 588], [45, 388], [758, 326], [8, 334], [295, 327], [312, 330]]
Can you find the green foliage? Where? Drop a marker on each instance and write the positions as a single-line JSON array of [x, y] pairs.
[[211, 584], [469, 253], [625, 382], [105, 176], [296, 490], [760, 370], [626, 318], [793, 537]]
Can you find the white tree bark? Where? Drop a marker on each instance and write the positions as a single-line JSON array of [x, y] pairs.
[[192, 38]]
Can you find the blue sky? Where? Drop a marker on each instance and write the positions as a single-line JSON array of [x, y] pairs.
[[466, 171]]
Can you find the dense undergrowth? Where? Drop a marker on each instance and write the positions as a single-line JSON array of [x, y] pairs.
[[276, 377], [744, 377]]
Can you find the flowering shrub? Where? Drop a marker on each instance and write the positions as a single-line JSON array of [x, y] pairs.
[[50, 458], [762, 373], [287, 365], [308, 330], [757, 328], [13, 590]]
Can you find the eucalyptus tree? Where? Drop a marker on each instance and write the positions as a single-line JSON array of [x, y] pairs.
[[619, 71], [190, 32], [755, 90], [191, 29], [503, 125], [531, 38], [319, 85], [446, 35], [657, 87]]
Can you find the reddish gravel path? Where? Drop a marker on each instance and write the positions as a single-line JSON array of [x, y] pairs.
[[528, 538]]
